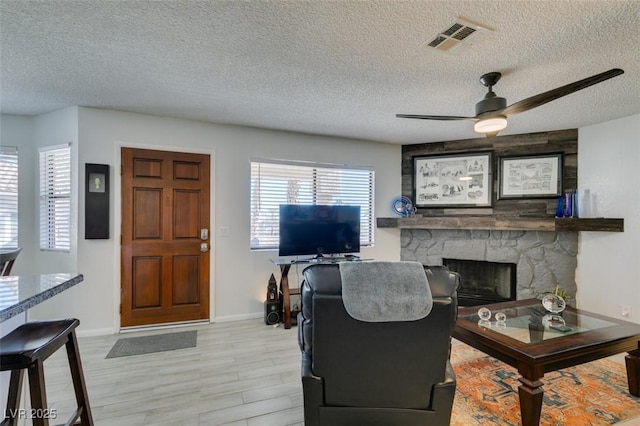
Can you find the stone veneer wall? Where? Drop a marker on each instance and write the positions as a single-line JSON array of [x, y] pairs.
[[543, 259]]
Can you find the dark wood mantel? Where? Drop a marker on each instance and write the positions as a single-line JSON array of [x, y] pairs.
[[550, 224]]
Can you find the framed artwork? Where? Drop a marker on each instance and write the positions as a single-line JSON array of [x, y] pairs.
[[534, 176], [96, 182], [96, 202], [453, 180]]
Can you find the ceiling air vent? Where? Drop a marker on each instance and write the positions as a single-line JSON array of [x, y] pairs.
[[459, 35]]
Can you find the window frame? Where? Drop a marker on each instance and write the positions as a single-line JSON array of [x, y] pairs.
[[55, 187], [9, 196], [313, 189]]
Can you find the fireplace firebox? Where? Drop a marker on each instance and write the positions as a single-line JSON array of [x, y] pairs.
[[483, 282]]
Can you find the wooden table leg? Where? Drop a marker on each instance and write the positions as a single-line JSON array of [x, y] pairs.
[[632, 360], [530, 393]]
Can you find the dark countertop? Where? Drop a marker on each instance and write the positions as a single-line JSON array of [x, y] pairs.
[[21, 292]]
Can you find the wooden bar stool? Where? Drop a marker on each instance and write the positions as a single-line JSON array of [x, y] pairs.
[[7, 259], [26, 348]]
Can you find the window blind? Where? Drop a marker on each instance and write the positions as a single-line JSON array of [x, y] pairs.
[[55, 198], [275, 183], [8, 197]]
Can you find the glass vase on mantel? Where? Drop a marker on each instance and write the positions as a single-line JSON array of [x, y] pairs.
[[568, 204], [560, 207]]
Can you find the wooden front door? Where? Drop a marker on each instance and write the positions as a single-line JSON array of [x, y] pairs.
[[165, 222]]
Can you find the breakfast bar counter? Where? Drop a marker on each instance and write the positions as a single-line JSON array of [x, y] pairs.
[[18, 294], [21, 292]]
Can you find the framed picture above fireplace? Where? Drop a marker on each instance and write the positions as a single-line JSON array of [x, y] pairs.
[[534, 176], [453, 180]]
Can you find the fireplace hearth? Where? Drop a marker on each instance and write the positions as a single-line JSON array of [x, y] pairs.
[[483, 282]]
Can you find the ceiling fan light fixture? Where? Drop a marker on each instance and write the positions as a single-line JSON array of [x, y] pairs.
[[490, 125]]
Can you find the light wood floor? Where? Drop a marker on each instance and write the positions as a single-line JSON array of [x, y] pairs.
[[240, 374]]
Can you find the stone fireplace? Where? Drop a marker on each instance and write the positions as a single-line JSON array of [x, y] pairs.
[[520, 230], [543, 259]]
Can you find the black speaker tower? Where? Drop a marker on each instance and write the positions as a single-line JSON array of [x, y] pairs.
[[271, 312], [272, 304]]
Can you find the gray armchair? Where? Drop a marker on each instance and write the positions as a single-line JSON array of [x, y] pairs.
[[357, 372]]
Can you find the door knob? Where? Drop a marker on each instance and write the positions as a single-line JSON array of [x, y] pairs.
[[204, 247]]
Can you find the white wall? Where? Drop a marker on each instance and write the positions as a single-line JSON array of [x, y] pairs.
[[238, 275], [56, 128], [609, 263], [29, 134]]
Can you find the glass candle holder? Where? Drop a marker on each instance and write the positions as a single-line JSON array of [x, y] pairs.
[[484, 314]]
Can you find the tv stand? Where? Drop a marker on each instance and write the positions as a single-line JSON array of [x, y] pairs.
[[326, 259], [289, 316], [316, 258]]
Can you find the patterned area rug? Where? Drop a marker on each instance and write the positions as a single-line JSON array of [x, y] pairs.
[[595, 393]]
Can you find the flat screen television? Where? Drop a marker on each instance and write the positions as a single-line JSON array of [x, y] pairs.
[[319, 229]]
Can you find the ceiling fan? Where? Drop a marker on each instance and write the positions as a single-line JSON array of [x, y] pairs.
[[492, 111]]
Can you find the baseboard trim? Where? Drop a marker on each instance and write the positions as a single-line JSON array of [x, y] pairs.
[[241, 317], [95, 332], [220, 319], [162, 326]]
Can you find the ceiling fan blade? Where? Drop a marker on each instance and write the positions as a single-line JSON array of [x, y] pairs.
[[435, 117], [551, 95]]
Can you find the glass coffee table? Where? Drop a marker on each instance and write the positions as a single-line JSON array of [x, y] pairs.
[[536, 342]]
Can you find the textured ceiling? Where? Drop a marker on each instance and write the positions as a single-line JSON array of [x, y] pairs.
[[341, 68]]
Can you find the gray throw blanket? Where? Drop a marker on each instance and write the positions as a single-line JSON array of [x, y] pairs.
[[385, 291]]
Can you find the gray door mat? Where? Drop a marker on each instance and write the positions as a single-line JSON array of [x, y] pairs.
[[155, 343]]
